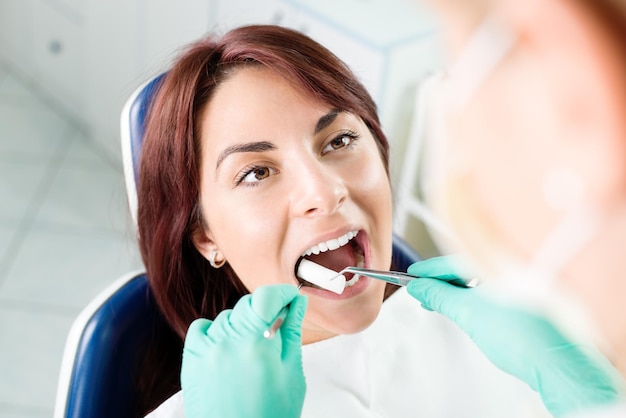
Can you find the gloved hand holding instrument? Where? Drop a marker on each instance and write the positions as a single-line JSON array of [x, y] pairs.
[[235, 366], [569, 377]]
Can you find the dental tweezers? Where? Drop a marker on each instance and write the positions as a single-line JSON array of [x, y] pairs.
[[393, 277], [402, 279]]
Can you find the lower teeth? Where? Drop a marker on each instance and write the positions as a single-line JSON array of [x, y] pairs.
[[353, 280], [359, 259]]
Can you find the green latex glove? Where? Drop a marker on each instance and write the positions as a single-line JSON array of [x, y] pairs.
[[230, 370], [569, 377]]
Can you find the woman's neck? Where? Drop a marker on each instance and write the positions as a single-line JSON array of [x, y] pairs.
[[310, 336]]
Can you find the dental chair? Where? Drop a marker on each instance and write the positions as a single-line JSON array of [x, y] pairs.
[[109, 337]]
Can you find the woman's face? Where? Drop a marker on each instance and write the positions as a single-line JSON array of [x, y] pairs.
[[282, 173]]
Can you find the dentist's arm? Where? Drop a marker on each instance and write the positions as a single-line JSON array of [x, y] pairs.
[[230, 369], [569, 377]]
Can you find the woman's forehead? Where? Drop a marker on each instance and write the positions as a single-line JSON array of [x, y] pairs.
[[256, 96]]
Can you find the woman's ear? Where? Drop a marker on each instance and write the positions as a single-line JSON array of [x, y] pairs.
[[205, 244]]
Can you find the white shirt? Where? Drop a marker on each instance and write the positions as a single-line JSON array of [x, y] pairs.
[[409, 363], [617, 410]]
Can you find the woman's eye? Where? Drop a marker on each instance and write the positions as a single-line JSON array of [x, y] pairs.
[[341, 141], [255, 175]]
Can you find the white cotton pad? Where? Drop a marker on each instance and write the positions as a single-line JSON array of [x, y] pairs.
[[321, 276]]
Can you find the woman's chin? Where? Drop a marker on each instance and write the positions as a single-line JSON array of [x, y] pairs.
[[343, 326], [328, 317]]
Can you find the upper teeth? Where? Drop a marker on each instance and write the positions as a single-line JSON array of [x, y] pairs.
[[332, 244]]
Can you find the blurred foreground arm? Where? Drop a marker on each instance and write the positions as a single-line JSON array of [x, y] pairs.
[[569, 377]]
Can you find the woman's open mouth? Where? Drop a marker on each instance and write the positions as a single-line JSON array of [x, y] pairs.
[[336, 254]]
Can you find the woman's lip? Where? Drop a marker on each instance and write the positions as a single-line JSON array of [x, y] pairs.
[[348, 292], [361, 239], [326, 237]]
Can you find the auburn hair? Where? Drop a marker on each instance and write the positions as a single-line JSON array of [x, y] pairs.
[[184, 285]]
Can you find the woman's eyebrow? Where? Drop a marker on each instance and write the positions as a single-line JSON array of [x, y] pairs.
[[326, 120], [259, 146], [262, 146]]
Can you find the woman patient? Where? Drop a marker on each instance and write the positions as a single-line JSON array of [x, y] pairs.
[[262, 147]]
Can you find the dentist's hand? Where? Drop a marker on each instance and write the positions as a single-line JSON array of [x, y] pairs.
[[230, 370], [569, 377]]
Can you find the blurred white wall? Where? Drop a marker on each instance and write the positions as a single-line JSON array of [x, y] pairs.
[[87, 56], [128, 41]]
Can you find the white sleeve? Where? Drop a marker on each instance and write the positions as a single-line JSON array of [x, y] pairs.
[[173, 407]]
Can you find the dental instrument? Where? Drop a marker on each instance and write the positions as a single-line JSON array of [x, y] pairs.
[[273, 329], [400, 278], [278, 322], [313, 273], [335, 281], [321, 276]]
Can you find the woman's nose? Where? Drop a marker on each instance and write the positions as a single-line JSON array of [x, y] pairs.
[[318, 190]]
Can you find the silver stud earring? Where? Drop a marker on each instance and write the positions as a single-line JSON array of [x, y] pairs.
[[212, 260]]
